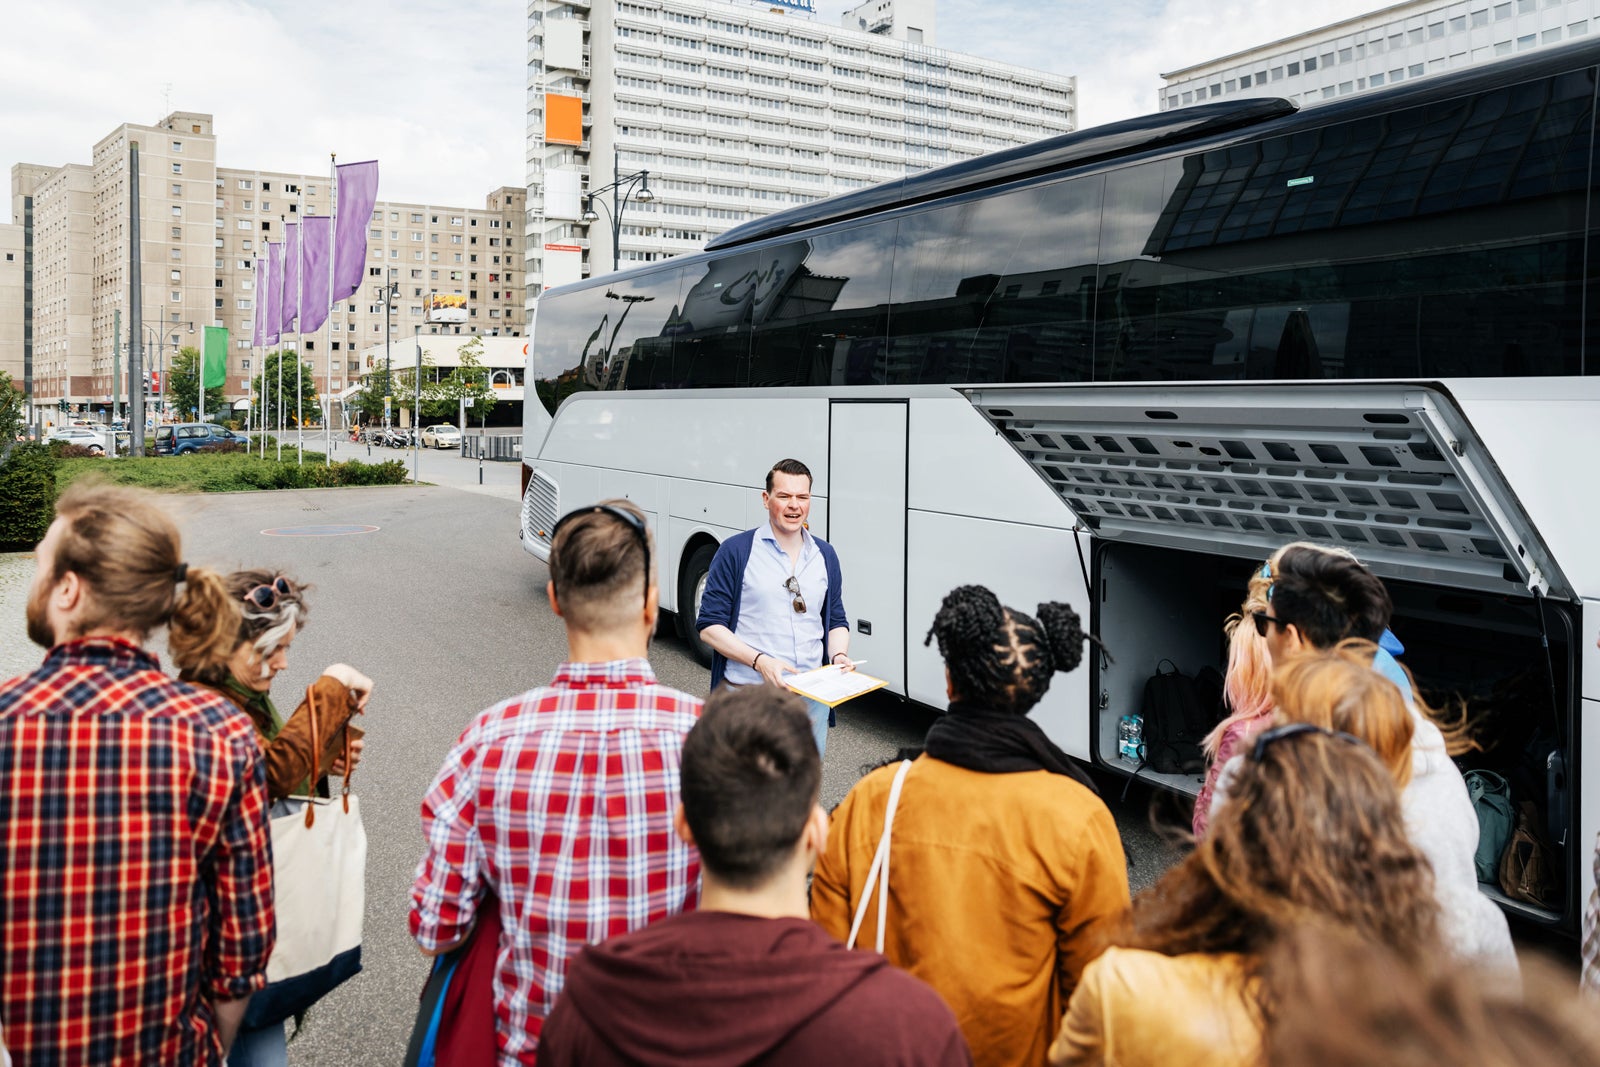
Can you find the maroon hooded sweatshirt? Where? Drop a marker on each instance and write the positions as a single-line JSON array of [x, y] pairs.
[[717, 989]]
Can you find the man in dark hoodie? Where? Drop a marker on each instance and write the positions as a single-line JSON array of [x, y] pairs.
[[747, 978]]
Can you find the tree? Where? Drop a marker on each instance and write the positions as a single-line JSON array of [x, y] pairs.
[[368, 403], [10, 409], [181, 390], [268, 394], [434, 404], [469, 383]]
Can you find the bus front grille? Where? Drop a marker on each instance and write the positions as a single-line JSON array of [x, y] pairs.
[[540, 505]]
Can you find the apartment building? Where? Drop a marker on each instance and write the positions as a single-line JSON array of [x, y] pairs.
[[737, 111], [1386, 47], [201, 227]]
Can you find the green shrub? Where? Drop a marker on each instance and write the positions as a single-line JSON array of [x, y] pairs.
[[27, 496], [233, 472]]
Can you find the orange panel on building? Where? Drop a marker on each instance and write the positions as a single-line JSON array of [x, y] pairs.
[[563, 119]]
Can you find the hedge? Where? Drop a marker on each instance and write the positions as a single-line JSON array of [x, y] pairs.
[[232, 472], [31, 475], [27, 496]]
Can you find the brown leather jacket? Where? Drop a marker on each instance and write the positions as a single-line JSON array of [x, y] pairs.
[[288, 756]]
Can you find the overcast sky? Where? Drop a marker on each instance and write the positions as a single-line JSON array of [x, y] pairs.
[[435, 89]]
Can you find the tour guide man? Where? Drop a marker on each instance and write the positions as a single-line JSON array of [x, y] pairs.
[[773, 603]]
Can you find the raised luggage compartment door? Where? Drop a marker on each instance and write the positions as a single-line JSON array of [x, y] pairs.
[[1391, 471]]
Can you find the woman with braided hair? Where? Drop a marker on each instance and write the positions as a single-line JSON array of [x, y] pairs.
[[1007, 867]]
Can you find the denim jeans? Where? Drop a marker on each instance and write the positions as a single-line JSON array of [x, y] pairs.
[[266, 1047], [818, 714]]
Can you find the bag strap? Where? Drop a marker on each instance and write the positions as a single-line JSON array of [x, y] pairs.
[[316, 753], [880, 866]]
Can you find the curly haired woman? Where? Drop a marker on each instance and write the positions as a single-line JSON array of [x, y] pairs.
[[1312, 834], [1007, 867]]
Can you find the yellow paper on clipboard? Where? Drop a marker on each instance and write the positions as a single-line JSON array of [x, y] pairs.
[[831, 686]]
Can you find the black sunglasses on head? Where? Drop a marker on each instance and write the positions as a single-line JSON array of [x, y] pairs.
[[1263, 620], [628, 518], [1295, 729]]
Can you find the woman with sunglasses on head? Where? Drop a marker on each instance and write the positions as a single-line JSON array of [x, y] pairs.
[[273, 612], [1311, 835], [1007, 867], [1246, 690]]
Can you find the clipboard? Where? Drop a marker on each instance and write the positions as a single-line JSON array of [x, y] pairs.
[[831, 686]]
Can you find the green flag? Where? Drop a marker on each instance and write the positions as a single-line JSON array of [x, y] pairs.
[[215, 360]]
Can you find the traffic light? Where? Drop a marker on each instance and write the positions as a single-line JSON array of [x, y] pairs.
[[62, 404]]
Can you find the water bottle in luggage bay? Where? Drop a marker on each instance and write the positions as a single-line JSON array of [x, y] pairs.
[[1130, 737]]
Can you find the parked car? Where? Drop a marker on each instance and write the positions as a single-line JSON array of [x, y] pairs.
[[182, 438], [441, 436], [79, 435]]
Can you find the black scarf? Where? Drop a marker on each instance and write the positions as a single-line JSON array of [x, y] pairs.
[[998, 743]]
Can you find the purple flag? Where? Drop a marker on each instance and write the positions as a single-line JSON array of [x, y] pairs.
[[357, 193], [315, 230], [272, 299], [291, 275], [262, 278]]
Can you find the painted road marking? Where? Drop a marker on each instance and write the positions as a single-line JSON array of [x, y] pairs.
[[330, 530]]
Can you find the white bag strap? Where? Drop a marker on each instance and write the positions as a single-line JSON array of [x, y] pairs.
[[878, 874]]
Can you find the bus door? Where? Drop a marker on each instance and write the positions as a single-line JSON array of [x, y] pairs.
[[867, 526]]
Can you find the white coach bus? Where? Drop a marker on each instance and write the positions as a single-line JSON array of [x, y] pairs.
[[1119, 367]]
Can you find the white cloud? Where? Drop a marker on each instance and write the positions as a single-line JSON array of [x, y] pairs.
[[435, 94], [436, 91]]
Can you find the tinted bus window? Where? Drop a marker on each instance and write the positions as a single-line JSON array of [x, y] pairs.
[[1445, 239], [609, 336], [999, 288], [825, 321]]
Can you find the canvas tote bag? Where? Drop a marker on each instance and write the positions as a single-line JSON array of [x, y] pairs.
[[878, 873], [319, 865]]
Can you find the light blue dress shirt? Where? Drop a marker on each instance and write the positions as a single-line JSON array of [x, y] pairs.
[[767, 619]]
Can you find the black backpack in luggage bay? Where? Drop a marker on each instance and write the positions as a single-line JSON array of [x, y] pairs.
[[1176, 721]]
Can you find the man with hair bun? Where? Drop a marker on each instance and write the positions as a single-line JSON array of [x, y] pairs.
[[555, 807], [135, 867]]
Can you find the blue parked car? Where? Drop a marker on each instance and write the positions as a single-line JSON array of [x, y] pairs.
[[183, 438]]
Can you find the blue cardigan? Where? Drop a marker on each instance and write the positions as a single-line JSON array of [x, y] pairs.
[[725, 584]]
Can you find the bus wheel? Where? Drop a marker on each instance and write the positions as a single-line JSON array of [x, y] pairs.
[[690, 591]]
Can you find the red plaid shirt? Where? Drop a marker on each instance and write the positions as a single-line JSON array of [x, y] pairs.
[[561, 801], [135, 861]]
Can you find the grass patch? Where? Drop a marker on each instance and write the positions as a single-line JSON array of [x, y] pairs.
[[231, 472]]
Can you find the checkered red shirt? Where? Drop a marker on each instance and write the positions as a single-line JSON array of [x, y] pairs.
[[561, 801], [135, 861]]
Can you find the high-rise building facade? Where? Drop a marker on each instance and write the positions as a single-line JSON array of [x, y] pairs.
[[201, 228], [737, 111], [1386, 47]]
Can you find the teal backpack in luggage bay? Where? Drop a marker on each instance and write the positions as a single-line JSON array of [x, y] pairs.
[[1491, 800]]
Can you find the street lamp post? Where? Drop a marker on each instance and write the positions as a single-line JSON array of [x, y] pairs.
[[622, 191], [160, 335], [391, 293]]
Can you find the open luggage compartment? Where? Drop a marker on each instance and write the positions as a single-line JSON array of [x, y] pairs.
[[1472, 651], [1187, 489]]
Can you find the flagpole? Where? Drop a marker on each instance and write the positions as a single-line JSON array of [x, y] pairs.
[[333, 229], [278, 281], [299, 338]]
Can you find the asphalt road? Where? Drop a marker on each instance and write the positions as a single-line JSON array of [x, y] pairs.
[[442, 608]]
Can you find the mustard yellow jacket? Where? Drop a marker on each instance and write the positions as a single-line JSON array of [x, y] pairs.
[[999, 888], [1141, 1009]]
